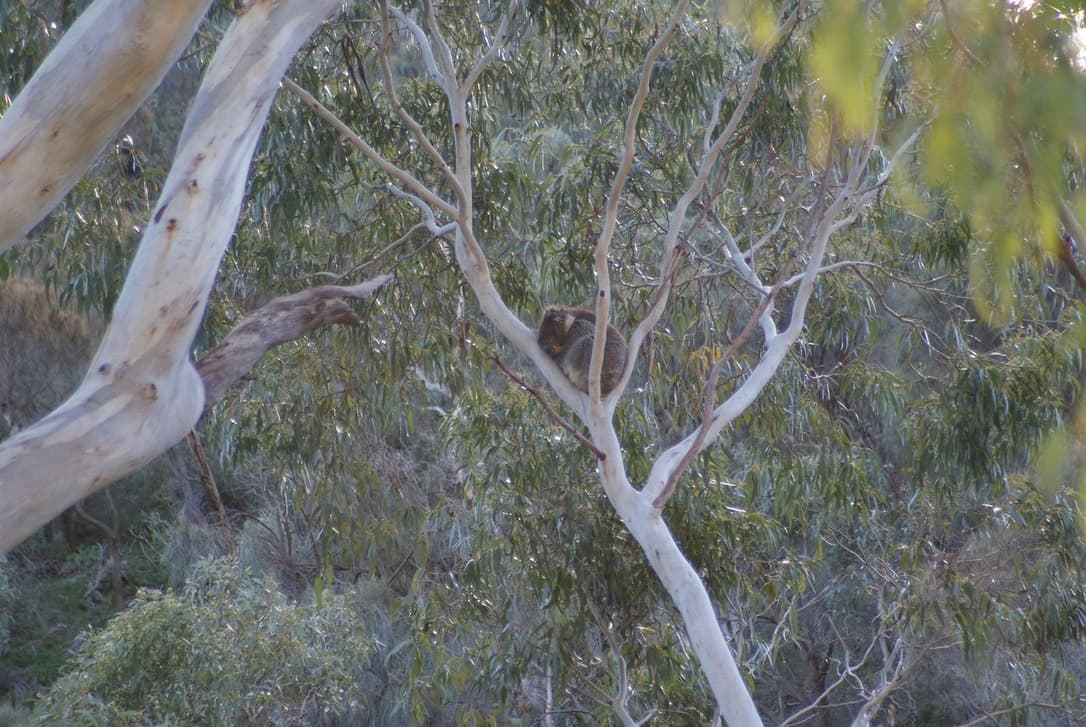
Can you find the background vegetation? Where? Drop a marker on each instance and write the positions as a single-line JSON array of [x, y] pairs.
[[411, 539]]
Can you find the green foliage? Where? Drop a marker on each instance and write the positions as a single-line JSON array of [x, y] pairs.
[[1003, 155], [995, 410], [845, 59], [27, 32], [59, 584], [226, 650], [46, 613], [7, 604], [880, 492]]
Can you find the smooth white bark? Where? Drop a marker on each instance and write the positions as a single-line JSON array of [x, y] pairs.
[[100, 72], [141, 394]]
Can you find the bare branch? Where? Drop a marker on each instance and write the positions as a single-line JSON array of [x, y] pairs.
[[749, 276], [491, 53], [954, 37], [469, 253], [551, 411], [397, 106], [1059, 710], [620, 700], [203, 470], [708, 395], [444, 53], [845, 205], [610, 220], [775, 228], [760, 314], [283, 319], [404, 177], [658, 301], [629, 137], [429, 220], [880, 267], [1070, 221], [896, 666], [423, 44]]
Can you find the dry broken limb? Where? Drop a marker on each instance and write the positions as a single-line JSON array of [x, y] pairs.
[[207, 481], [142, 394], [283, 319]]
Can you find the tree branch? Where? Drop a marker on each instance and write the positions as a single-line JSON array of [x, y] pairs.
[[711, 151], [491, 52], [397, 106], [401, 175], [283, 319], [610, 221], [203, 470], [551, 411]]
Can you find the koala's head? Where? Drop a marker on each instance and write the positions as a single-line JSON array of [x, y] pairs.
[[554, 329]]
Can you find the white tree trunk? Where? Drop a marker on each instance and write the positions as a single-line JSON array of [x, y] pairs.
[[646, 523], [141, 394], [100, 72]]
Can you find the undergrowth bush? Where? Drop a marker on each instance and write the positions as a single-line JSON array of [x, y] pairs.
[[227, 649]]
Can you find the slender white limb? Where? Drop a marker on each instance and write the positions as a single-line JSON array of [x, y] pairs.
[[444, 53], [749, 275], [601, 411], [397, 106], [423, 44], [429, 220], [403, 176], [777, 347], [842, 211], [778, 223], [492, 52]]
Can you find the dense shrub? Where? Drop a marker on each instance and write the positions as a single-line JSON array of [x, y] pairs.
[[227, 649]]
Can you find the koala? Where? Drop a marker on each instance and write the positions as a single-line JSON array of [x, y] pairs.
[[566, 335]]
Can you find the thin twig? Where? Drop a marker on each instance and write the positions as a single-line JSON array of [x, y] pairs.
[[550, 409], [397, 106], [708, 396], [711, 151], [402, 175], [206, 479], [491, 53]]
